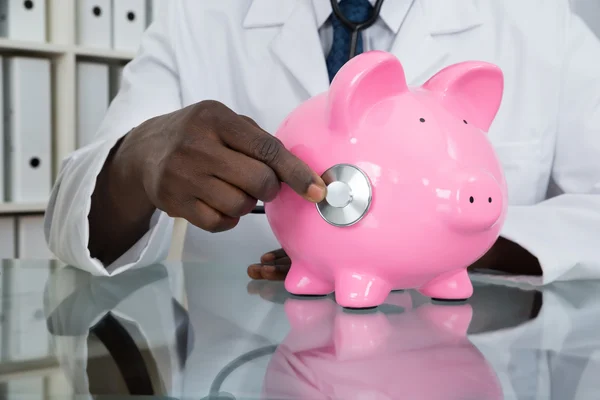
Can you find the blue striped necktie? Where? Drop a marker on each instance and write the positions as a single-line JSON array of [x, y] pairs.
[[357, 11]]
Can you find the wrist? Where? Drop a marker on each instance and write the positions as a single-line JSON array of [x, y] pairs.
[[125, 172]]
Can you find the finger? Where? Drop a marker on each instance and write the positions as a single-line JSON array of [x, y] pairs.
[[254, 274], [225, 198], [283, 261], [207, 218], [254, 142], [273, 255], [252, 176], [249, 120], [268, 272], [274, 272]]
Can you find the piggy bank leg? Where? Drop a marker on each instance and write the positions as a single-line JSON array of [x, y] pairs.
[[455, 286], [360, 291], [301, 281]]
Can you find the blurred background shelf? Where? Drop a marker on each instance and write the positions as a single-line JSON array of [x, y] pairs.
[[22, 208], [102, 55], [61, 63], [20, 47]]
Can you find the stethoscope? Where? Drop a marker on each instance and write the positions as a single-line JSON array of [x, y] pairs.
[[355, 28]]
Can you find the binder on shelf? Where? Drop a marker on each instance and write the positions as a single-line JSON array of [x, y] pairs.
[[94, 23], [7, 237], [2, 138], [31, 241], [93, 90], [129, 24], [28, 129], [23, 20]]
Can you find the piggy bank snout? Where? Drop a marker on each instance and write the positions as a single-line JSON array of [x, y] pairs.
[[479, 202]]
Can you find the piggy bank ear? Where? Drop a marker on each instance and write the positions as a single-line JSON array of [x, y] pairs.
[[471, 90], [361, 83]]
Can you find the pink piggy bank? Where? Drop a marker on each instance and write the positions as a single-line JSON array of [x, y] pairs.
[[416, 192]]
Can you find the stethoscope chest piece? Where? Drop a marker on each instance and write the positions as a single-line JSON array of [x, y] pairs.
[[349, 195]]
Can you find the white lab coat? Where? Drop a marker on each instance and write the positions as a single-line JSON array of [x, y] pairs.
[[263, 58]]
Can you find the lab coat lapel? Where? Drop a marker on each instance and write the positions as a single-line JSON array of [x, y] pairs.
[[298, 47], [418, 43]]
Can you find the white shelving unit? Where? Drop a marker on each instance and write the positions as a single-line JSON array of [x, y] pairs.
[[62, 49], [21, 208], [76, 58]]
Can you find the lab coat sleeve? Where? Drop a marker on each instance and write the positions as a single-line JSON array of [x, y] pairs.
[[564, 231], [149, 87]]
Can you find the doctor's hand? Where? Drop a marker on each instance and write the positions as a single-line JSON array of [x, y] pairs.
[[209, 165], [273, 266], [203, 163]]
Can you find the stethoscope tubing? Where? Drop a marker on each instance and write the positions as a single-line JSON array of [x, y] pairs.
[[258, 210], [356, 27]]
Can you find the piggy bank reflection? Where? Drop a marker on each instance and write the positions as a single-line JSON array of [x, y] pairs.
[[416, 191], [421, 353]]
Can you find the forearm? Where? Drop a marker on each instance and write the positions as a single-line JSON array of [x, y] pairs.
[[120, 211]]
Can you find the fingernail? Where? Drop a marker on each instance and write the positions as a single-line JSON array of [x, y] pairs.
[[316, 193], [254, 272]]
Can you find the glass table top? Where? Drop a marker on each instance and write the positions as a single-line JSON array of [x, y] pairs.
[[205, 331]]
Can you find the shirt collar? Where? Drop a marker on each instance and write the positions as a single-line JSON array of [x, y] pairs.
[[392, 12]]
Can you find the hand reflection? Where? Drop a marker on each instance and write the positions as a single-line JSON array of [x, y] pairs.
[[333, 353]]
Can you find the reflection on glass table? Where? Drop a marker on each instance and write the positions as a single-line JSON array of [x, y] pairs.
[[420, 352], [200, 331]]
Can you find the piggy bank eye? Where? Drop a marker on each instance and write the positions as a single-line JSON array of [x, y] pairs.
[[422, 119], [465, 121]]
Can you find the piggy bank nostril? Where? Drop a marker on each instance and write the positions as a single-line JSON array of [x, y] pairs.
[[471, 199], [489, 199]]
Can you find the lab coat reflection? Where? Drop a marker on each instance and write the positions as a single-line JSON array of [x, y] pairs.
[[129, 335], [263, 58], [555, 355], [184, 341]]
